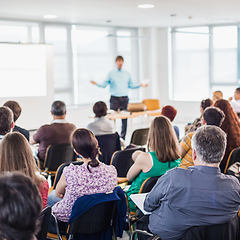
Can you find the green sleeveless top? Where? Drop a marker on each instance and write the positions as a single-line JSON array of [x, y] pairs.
[[157, 169]]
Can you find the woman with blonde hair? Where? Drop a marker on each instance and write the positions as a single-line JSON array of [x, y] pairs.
[[16, 155], [162, 156]]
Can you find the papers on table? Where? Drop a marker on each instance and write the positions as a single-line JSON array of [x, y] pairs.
[[139, 199]]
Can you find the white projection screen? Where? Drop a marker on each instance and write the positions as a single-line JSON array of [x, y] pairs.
[[26, 76], [22, 70]]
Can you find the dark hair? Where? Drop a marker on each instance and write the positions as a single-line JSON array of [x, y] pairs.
[[15, 107], [119, 58], [58, 108], [170, 112], [213, 116], [20, 207], [238, 90], [6, 119], [100, 109], [85, 143], [206, 103]]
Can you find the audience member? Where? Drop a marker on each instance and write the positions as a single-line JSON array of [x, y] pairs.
[[198, 122], [6, 121], [170, 112], [162, 156], [217, 95], [235, 104], [79, 180], [20, 207], [211, 116], [231, 126], [16, 109], [58, 132], [16, 155], [197, 196], [101, 125]]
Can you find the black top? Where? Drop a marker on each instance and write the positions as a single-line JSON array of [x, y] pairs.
[[23, 131]]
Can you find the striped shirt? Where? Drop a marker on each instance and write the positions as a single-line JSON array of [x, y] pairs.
[[187, 146]]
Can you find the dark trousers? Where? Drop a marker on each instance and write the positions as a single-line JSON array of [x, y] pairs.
[[120, 103], [142, 224]]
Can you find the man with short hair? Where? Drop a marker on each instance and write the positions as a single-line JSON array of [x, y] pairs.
[[197, 196], [20, 207], [120, 81], [211, 116], [235, 104], [101, 125], [6, 121], [58, 132]]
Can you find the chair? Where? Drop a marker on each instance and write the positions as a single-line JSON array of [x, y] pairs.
[[60, 171], [148, 184], [139, 136], [233, 157], [108, 143], [229, 231], [56, 155], [122, 160], [152, 104], [44, 222]]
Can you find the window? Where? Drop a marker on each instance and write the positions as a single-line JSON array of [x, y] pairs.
[[190, 64], [204, 60]]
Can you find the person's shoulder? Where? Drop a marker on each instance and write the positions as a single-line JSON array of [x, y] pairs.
[[71, 125]]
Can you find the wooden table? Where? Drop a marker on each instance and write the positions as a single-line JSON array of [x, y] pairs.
[[125, 115]]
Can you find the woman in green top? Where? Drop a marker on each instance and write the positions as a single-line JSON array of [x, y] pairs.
[[163, 155]]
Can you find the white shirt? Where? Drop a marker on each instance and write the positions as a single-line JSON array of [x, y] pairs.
[[236, 105]]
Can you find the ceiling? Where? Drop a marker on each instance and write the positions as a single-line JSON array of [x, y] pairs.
[[125, 12]]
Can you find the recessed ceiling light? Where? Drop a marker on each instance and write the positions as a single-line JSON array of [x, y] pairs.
[[50, 16], [146, 6]]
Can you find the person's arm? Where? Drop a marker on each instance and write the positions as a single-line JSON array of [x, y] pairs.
[[153, 199], [32, 141], [185, 145], [140, 164], [136, 154], [37, 136], [60, 188], [104, 84]]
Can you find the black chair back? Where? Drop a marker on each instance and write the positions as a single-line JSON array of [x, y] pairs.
[[229, 231], [60, 171], [140, 136], [108, 144], [233, 157], [58, 154], [44, 222], [148, 184], [94, 220], [122, 160]]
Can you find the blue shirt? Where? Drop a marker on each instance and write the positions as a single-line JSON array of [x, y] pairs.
[[120, 81], [196, 196]]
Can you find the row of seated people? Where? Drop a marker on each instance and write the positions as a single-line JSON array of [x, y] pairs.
[[180, 196]]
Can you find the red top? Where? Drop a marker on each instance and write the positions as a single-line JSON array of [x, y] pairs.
[[43, 189]]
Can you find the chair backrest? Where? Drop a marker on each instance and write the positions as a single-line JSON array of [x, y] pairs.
[[108, 144], [122, 160], [233, 157], [58, 154], [140, 136], [152, 104], [94, 220], [44, 222], [148, 184], [60, 171], [229, 231]]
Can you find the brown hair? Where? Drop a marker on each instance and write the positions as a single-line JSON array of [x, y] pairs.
[[6, 119], [15, 107], [85, 143], [162, 139], [100, 109], [119, 58], [16, 155], [206, 103], [170, 112], [231, 126]]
